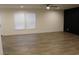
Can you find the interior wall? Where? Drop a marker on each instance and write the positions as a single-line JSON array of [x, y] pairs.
[[1, 48], [46, 21]]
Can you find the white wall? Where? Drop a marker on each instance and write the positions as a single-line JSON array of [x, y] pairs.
[[1, 49], [47, 21]]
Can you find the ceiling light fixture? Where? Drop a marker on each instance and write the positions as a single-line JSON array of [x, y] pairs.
[[49, 6], [21, 6]]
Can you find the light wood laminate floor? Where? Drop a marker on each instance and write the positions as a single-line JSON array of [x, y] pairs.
[[57, 43]]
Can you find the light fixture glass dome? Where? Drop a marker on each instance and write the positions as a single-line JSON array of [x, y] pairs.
[[48, 7]]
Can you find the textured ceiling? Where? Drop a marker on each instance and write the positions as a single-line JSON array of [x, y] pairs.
[[39, 6]]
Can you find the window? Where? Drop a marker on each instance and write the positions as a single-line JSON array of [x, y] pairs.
[[19, 20], [24, 20], [30, 20]]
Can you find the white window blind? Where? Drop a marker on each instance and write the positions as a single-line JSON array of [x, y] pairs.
[[19, 20], [24, 20], [30, 20]]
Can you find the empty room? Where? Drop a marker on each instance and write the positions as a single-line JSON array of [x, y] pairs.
[[39, 29]]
